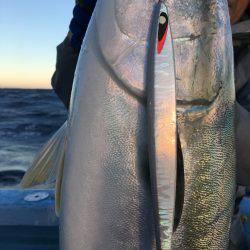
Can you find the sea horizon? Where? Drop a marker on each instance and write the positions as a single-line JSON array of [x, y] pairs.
[[28, 119]]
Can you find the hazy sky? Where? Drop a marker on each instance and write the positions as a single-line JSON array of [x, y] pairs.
[[30, 31]]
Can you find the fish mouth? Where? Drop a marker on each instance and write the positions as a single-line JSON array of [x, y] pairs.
[[197, 106]]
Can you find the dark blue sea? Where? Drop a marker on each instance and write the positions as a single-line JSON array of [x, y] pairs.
[[28, 118]]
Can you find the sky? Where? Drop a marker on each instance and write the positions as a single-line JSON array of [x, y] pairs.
[[30, 31]]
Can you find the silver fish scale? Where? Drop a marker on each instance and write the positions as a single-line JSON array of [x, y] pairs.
[[106, 162], [205, 105], [209, 181]]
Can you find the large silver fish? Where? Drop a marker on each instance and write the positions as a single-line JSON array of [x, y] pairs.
[[107, 200]]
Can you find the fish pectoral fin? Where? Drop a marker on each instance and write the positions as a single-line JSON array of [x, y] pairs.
[[46, 169]]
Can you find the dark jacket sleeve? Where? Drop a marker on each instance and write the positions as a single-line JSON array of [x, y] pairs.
[[68, 50], [62, 79]]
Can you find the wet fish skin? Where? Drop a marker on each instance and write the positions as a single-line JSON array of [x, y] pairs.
[[106, 192], [205, 106], [111, 205]]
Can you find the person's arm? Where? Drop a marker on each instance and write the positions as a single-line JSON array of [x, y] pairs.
[[68, 50]]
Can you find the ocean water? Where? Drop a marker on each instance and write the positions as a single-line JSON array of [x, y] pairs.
[[28, 118]]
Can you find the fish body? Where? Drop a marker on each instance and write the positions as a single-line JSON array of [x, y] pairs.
[[107, 200], [106, 191]]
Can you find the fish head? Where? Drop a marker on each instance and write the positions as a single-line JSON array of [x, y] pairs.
[[123, 36], [123, 31]]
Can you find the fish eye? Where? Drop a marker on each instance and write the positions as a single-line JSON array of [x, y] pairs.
[[162, 19], [162, 31]]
